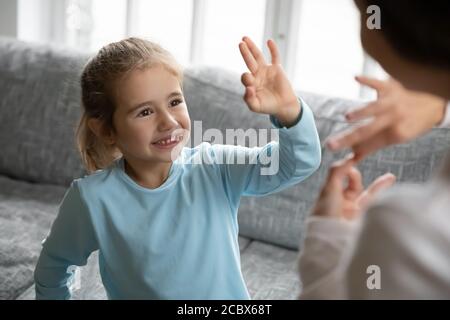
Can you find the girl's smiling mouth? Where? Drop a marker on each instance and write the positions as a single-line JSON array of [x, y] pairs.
[[167, 142]]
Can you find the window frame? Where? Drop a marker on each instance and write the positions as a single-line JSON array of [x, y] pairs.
[[281, 23]]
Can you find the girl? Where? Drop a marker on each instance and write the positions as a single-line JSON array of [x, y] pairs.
[[166, 228]]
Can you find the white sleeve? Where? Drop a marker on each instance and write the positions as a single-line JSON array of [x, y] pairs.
[[320, 264], [446, 121], [399, 251], [409, 251]]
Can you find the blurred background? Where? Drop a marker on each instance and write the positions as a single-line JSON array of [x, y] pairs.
[[318, 39]]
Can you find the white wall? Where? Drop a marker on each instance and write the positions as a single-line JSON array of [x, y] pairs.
[[8, 18]]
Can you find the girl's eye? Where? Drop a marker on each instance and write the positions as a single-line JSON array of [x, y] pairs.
[[175, 102], [145, 113]]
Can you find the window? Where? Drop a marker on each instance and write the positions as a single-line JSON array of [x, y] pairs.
[[166, 22], [226, 23], [318, 39], [108, 22], [329, 52]]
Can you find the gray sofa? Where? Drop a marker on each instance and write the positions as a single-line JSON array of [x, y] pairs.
[[39, 108]]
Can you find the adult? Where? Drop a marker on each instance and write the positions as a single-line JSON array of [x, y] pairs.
[[403, 235]]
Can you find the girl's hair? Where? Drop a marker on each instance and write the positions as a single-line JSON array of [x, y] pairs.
[[112, 63]]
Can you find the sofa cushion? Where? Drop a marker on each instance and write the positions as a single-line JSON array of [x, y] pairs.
[[26, 213], [270, 272], [39, 109], [279, 218]]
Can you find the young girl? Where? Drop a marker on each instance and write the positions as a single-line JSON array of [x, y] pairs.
[[166, 228]]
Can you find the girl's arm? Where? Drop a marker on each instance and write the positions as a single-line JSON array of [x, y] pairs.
[[280, 164], [275, 166], [70, 242]]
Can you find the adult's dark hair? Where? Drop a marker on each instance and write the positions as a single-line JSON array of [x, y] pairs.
[[419, 30]]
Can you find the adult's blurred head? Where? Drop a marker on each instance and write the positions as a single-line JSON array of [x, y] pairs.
[[413, 42]]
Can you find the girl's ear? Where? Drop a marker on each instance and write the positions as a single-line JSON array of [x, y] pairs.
[[98, 128]]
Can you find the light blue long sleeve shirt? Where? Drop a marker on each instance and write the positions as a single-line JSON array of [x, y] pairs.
[[180, 240]]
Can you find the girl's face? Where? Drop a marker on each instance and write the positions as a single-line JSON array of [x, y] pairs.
[[151, 119]]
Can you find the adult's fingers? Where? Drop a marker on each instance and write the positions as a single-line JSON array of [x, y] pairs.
[[355, 186], [370, 110], [338, 171], [383, 182], [359, 134], [330, 200], [367, 147], [371, 82]]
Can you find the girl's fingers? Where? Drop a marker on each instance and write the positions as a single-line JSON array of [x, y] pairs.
[[247, 79], [274, 53], [257, 54], [249, 60], [251, 99]]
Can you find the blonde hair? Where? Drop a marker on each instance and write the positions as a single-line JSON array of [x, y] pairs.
[[113, 62]]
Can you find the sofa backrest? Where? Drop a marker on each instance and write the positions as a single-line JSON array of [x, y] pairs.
[[40, 107], [279, 218]]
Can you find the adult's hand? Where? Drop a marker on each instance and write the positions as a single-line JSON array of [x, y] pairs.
[[343, 195], [398, 115]]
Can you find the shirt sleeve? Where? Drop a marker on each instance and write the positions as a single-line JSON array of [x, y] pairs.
[[70, 242], [321, 263], [275, 166], [400, 254], [392, 253]]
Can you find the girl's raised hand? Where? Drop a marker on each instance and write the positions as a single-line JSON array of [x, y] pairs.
[[267, 88]]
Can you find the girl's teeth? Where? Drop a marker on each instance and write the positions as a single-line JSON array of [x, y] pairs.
[[164, 142]]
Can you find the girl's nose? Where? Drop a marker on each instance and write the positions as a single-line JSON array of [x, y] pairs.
[[166, 121]]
